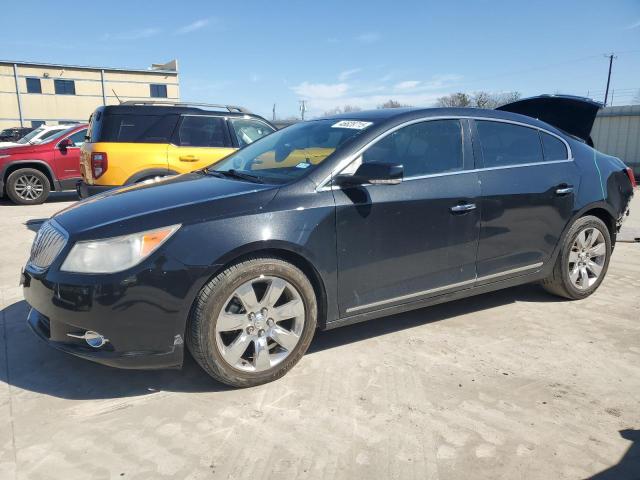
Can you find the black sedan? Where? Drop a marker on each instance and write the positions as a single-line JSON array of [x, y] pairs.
[[327, 223]]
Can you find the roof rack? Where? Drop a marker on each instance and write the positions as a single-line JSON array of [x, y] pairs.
[[229, 108]]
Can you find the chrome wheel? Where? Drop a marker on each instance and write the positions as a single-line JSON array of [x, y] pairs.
[[260, 324], [28, 187], [587, 258]]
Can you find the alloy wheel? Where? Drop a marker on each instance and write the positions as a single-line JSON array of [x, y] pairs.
[[260, 324], [587, 258], [29, 187]]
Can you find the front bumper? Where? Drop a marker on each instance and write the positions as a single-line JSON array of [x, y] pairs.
[[143, 320], [85, 190]]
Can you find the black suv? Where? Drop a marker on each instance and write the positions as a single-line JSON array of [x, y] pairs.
[[13, 134]]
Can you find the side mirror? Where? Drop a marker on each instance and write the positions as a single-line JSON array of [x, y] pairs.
[[64, 144], [374, 173]]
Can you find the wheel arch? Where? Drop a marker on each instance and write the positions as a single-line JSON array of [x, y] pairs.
[[35, 164], [149, 173]]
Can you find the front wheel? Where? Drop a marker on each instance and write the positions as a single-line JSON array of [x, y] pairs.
[[253, 322], [28, 186], [583, 261]]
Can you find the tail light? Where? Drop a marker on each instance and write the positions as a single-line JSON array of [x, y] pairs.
[[99, 164], [632, 177]]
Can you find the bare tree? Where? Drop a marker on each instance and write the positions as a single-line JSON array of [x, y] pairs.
[[339, 110], [392, 104], [480, 99]]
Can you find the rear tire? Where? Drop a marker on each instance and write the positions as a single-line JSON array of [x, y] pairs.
[[583, 260], [253, 322], [28, 186]]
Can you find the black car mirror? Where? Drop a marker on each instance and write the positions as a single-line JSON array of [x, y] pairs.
[[374, 173], [64, 144]]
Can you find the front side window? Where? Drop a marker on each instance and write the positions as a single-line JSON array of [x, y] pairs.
[[288, 154], [78, 138], [248, 130], [505, 144], [158, 90], [33, 85], [554, 148], [423, 148], [201, 131]]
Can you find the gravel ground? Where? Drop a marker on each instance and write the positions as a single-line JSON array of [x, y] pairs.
[[512, 384]]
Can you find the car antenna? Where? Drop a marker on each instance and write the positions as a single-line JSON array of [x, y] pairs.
[[114, 92]]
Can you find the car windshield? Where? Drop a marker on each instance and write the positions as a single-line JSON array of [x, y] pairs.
[[290, 153], [53, 135]]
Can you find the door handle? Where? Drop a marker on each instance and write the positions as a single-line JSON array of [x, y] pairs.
[[564, 189], [189, 158], [466, 207]]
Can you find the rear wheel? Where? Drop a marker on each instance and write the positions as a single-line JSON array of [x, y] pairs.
[[583, 261], [28, 186], [253, 322]]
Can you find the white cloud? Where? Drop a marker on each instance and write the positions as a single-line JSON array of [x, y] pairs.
[[133, 34], [193, 26], [407, 85], [321, 90], [348, 73], [633, 25], [368, 37]]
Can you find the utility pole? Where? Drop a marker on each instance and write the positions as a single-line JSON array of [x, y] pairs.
[[273, 116], [606, 92], [303, 108]]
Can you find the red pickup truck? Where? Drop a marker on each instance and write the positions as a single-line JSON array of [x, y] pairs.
[[29, 172]]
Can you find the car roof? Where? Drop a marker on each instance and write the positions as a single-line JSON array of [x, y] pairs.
[[170, 109]]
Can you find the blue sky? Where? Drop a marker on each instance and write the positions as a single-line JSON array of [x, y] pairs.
[[333, 53]]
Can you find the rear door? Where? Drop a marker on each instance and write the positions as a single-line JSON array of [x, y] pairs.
[[199, 141], [527, 183], [67, 159]]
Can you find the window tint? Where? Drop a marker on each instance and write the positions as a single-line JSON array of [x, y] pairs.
[[158, 91], [506, 144], [33, 85], [133, 128], [248, 131], [554, 148], [37, 123], [64, 87], [423, 148], [78, 138], [200, 131]]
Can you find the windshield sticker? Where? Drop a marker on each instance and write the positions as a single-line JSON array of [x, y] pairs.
[[354, 124], [303, 165]]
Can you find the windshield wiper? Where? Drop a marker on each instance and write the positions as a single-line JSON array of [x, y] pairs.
[[232, 173]]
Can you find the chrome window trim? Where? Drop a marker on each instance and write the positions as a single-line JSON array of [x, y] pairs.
[[444, 287], [322, 186]]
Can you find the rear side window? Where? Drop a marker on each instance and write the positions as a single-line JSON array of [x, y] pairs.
[[422, 149], [554, 148], [201, 131], [122, 128], [505, 144], [248, 131]]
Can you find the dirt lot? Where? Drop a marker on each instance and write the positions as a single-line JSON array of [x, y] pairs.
[[513, 384]]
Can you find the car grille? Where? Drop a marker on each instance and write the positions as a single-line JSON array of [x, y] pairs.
[[49, 242]]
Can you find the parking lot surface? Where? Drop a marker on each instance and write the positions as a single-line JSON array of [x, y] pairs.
[[512, 384]]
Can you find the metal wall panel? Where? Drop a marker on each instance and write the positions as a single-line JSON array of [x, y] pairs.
[[616, 132]]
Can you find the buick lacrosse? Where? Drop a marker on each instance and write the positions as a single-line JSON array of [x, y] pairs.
[[326, 223]]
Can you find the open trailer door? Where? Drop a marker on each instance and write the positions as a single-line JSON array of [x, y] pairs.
[[574, 115]]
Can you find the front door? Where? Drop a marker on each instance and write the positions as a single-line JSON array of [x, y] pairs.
[[401, 243], [67, 159], [198, 142], [527, 186]]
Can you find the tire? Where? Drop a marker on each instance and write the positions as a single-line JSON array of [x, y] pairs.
[[28, 186], [564, 281], [223, 322]]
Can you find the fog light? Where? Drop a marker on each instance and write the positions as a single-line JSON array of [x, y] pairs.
[[93, 339]]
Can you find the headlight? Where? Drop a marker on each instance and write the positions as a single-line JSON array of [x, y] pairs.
[[115, 254]]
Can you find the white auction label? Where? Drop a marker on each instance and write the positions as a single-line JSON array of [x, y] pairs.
[[354, 124]]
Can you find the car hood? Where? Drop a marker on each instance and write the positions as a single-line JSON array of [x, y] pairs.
[[9, 144], [187, 198], [18, 149], [574, 115]]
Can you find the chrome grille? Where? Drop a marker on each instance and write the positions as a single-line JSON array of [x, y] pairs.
[[49, 242]]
